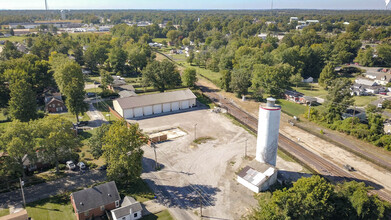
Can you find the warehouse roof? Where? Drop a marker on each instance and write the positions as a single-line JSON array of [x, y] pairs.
[[153, 99]]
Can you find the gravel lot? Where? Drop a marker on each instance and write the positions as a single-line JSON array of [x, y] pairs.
[[208, 168]]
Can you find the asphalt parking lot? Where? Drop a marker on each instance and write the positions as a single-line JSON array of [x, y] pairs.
[[206, 171]]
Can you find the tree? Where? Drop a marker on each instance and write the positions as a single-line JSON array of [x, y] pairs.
[[97, 140], [296, 79], [240, 82], [327, 75], [10, 51], [191, 57], [338, 99], [172, 35], [56, 139], [365, 57], [117, 59], [189, 77], [308, 198], [384, 54], [69, 79], [105, 78], [225, 80], [161, 75], [18, 142], [22, 105], [123, 153], [138, 56], [96, 54], [272, 79]]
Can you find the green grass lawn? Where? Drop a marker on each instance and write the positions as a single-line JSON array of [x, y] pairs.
[[160, 40], [4, 212], [72, 118], [291, 108], [53, 208], [103, 108], [364, 100], [14, 38], [138, 190], [91, 79], [312, 89], [95, 90], [163, 215]]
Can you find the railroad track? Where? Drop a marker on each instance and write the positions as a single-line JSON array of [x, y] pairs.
[[316, 163]]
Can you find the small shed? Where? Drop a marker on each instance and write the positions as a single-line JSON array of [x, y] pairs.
[[259, 178]]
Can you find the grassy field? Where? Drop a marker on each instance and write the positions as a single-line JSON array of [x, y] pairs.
[[95, 90], [163, 215], [72, 118], [53, 208], [4, 212], [138, 190], [160, 40], [14, 38], [364, 100], [292, 108], [313, 89], [89, 158]]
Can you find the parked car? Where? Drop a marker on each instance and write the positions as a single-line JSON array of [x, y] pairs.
[[81, 165], [91, 94], [96, 83], [103, 167], [348, 167], [82, 123], [70, 165]]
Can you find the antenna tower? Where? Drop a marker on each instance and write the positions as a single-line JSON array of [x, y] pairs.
[[46, 5]]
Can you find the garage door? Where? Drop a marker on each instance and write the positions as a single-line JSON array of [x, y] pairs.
[[138, 112], [128, 113], [185, 104], [157, 109], [148, 110], [174, 106], [166, 107]]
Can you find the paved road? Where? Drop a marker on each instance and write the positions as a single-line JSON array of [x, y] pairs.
[[45, 190], [96, 117]]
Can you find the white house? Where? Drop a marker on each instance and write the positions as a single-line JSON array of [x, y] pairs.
[[130, 210], [308, 80], [144, 105]]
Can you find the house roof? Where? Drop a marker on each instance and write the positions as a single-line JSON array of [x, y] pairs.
[[380, 76], [257, 176], [126, 93], [95, 197], [366, 82], [128, 204], [153, 99], [125, 87]]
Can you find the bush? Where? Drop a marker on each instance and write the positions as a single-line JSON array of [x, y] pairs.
[[61, 166], [321, 131], [91, 165], [108, 93]]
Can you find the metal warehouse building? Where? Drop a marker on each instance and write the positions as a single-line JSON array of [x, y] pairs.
[[143, 105]]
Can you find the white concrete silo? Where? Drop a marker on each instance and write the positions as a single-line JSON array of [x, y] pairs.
[[268, 131]]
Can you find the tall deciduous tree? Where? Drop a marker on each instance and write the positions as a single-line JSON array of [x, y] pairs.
[[240, 82], [69, 79], [56, 139], [327, 75], [162, 75], [338, 99], [18, 142], [117, 59], [225, 80], [189, 77], [10, 51], [122, 151], [105, 78], [22, 105], [97, 140]]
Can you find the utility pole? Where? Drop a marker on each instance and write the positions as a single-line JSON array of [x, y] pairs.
[[154, 150], [21, 187], [199, 194], [195, 131], [354, 113], [245, 150], [309, 112]]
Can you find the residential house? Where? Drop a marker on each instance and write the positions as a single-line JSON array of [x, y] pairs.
[[37, 163], [357, 113], [387, 128], [381, 78], [95, 201], [293, 96], [375, 89], [366, 82], [293, 19], [130, 210], [54, 103], [117, 81], [307, 100], [308, 80]]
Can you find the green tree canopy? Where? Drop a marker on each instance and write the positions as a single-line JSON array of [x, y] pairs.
[[327, 75], [22, 105], [161, 75], [189, 77]]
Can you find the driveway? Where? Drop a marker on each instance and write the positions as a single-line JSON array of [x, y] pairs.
[[45, 190], [96, 117]]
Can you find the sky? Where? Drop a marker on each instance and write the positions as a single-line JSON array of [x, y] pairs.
[[193, 4]]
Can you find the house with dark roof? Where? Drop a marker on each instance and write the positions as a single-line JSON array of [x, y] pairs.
[[54, 103], [130, 210], [94, 202]]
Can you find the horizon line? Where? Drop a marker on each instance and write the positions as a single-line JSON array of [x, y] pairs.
[[195, 9]]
